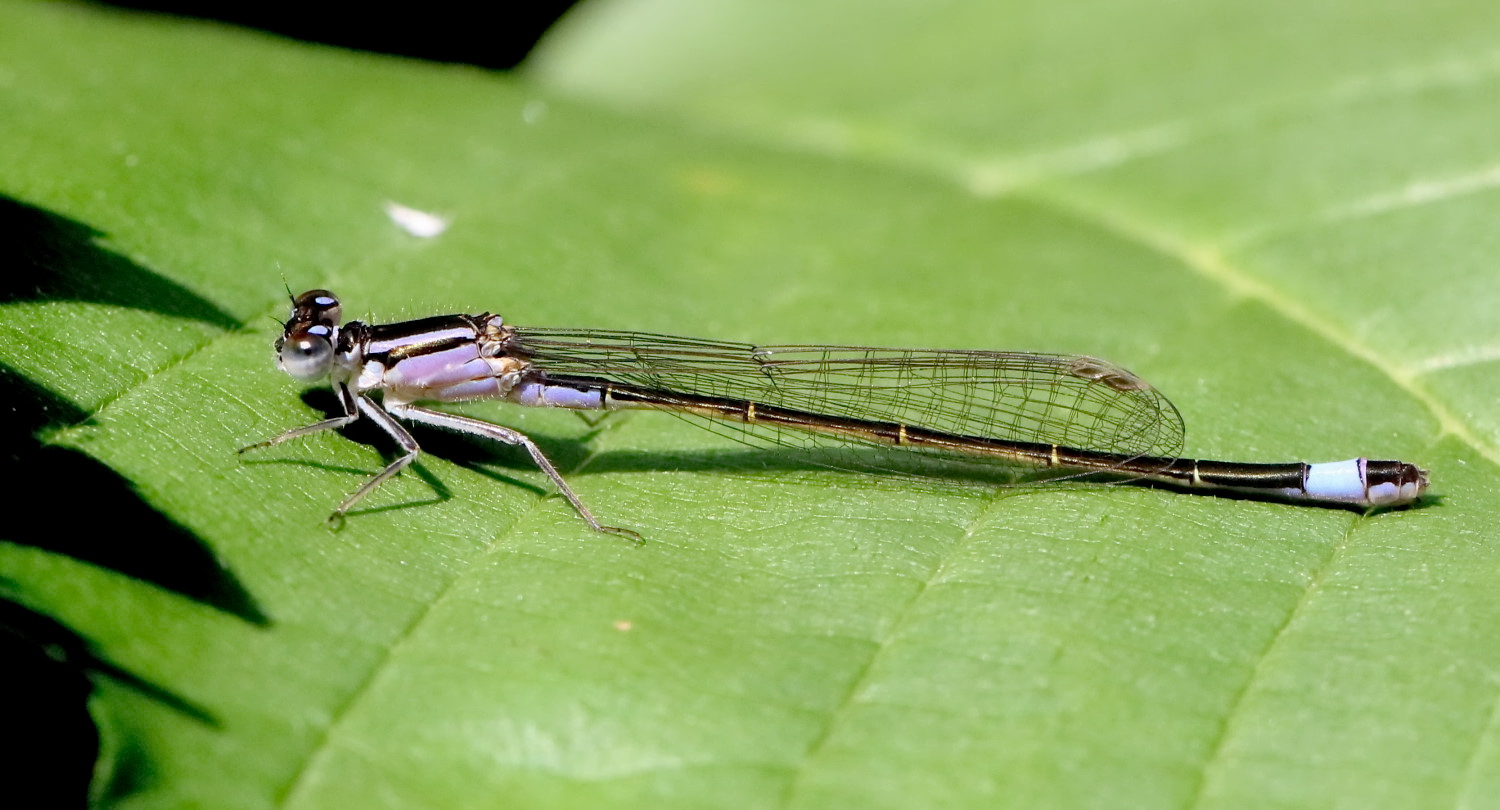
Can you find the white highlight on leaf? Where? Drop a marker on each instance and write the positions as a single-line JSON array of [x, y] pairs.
[[1420, 192], [997, 178], [1467, 356], [417, 223]]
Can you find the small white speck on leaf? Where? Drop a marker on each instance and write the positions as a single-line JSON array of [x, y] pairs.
[[417, 223]]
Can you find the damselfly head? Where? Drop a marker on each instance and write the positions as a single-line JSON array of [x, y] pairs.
[[305, 348]]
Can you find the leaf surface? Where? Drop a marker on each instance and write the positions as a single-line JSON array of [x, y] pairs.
[[1280, 216]]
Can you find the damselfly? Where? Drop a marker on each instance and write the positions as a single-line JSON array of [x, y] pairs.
[[1068, 412]]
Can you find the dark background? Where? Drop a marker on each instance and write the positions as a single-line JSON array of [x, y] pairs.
[[489, 35]]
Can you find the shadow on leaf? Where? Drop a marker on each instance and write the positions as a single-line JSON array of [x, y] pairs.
[[52, 258], [73, 505], [117, 530], [49, 671], [56, 258]]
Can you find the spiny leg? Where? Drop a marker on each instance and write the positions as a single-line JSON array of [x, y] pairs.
[[354, 405], [393, 429], [504, 435], [346, 400]]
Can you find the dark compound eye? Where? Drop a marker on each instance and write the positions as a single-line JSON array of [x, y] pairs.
[[317, 306]]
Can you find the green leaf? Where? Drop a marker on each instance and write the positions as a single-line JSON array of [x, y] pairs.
[[1281, 215]]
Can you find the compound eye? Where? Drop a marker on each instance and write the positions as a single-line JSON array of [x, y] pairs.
[[317, 306], [307, 355]]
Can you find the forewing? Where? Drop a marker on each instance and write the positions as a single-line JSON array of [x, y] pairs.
[[1070, 400]]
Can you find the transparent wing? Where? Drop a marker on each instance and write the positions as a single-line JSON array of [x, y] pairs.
[[1071, 400]]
